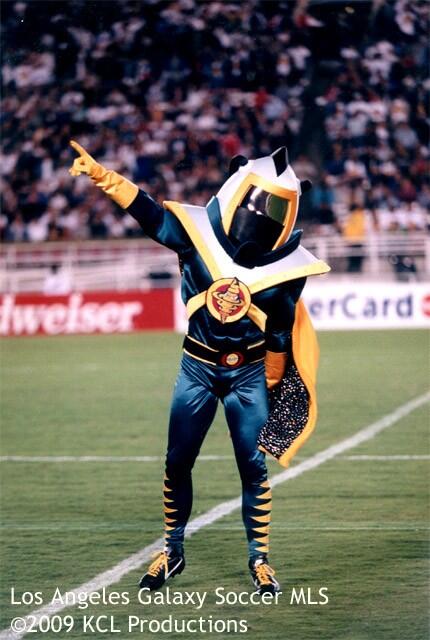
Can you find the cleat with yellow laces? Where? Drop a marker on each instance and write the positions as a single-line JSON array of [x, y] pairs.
[[163, 567], [263, 576]]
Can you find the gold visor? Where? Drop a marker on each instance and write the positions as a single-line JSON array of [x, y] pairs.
[[268, 204], [262, 196]]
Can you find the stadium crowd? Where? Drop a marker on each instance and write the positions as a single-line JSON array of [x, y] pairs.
[[377, 123], [168, 92]]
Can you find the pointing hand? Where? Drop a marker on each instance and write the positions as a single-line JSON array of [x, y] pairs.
[[84, 164]]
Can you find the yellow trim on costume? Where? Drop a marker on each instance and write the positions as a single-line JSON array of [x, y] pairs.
[[274, 364], [197, 358], [264, 507], [195, 303], [169, 528], [257, 315], [168, 510], [263, 540], [253, 180], [265, 484], [265, 518], [118, 188], [313, 269], [264, 529], [199, 242], [263, 549], [168, 499], [202, 344], [255, 344], [169, 520], [264, 496], [167, 488]]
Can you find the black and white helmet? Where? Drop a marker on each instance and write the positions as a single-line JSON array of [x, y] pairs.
[[260, 200]]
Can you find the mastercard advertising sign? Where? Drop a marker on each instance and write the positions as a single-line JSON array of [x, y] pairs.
[[368, 305]]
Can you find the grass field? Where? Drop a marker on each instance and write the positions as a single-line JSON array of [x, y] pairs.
[[357, 527]]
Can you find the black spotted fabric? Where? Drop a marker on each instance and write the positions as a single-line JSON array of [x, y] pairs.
[[288, 416]]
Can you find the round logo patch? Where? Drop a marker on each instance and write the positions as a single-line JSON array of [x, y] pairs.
[[232, 359], [228, 299]]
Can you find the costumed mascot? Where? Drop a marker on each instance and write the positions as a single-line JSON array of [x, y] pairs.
[[250, 342]]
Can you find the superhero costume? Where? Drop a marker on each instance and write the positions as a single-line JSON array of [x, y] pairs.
[[243, 270]]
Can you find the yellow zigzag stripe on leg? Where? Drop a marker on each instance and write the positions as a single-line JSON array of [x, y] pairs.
[[168, 500], [264, 540], [264, 507], [166, 488], [261, 529], [169, 520], [265, 484], [169, 528], [266, 495], [262, 549], [168, 510], [265, 518]]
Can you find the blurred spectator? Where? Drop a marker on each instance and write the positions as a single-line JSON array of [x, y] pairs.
[[325, 221], [404, 268], [322, 194], [354, 231], [57, 282]]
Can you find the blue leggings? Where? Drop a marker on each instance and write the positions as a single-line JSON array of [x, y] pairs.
[[243, 393]]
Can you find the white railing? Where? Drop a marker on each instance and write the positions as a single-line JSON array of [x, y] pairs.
[[141, 263], [90, 265], [377, 252]]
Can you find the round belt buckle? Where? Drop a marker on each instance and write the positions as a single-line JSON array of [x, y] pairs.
[[233, 359]]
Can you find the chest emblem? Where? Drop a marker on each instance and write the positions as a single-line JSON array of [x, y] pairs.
[[228, 299]]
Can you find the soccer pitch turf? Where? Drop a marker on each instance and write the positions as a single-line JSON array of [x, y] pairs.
[[356, 525]]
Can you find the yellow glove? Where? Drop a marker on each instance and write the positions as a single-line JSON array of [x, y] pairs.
[[121, 190], [275, 366]]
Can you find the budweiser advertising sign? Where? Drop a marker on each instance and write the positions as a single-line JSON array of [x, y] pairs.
[[101, 312]]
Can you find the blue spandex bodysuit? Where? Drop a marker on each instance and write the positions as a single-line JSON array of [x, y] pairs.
[[200, 385]]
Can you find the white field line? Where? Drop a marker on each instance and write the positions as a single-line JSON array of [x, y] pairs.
[[135, 561], [100, 458], [203, 458]]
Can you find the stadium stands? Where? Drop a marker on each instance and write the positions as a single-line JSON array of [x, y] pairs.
[[167, 92]]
